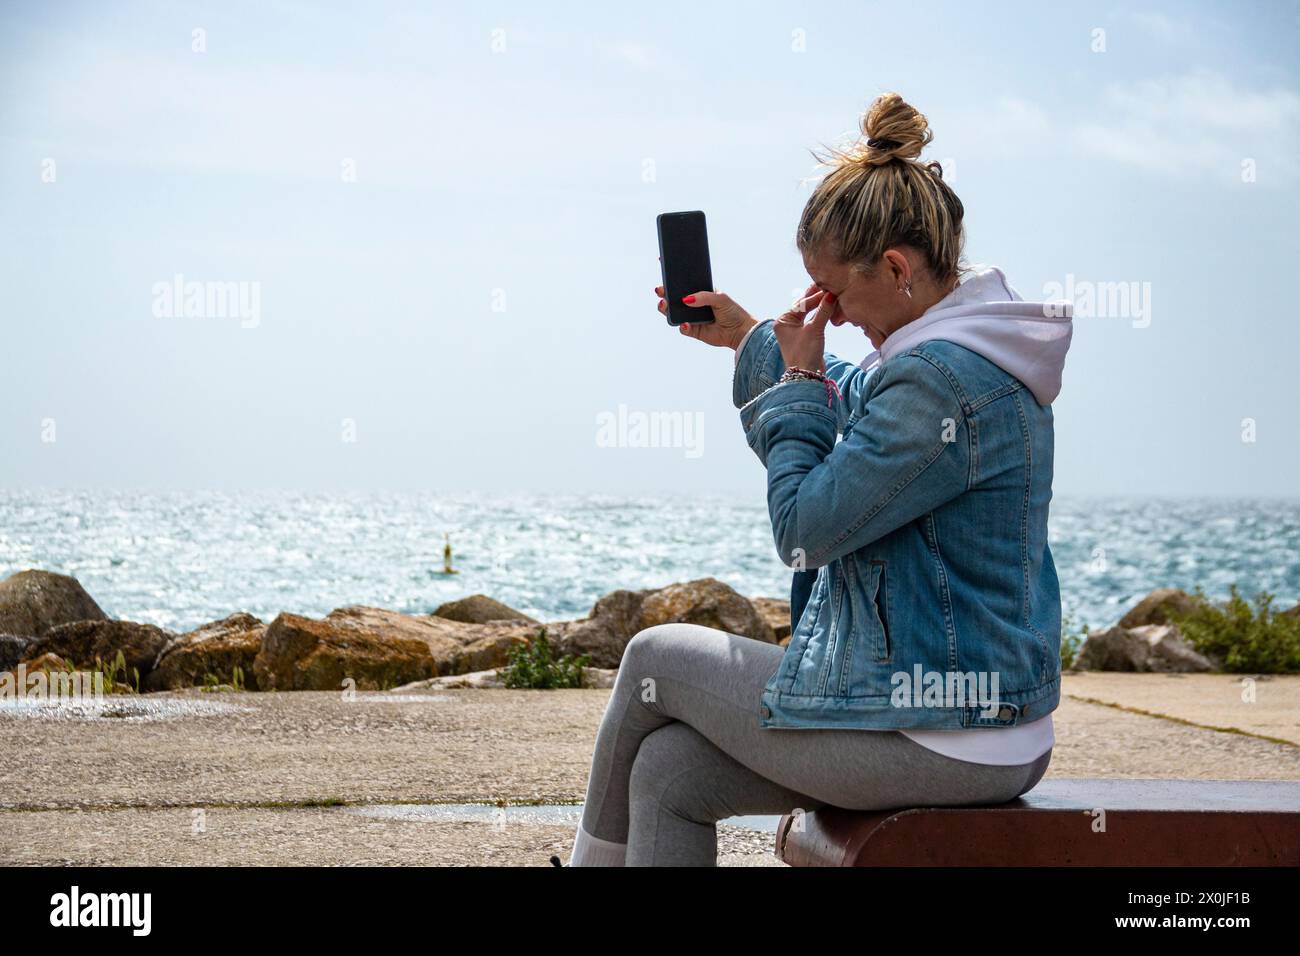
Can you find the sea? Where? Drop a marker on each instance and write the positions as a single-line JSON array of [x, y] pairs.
[[180, 559]]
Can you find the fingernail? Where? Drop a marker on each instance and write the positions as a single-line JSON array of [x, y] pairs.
[[686, 326], [688, 299], [830, 297]]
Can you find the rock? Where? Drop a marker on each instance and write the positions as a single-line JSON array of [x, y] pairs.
[[1159, 607], [597, 677], [301, 653], [472, 680], [216, 648], [377, 648], [45, 662], [620, 611], [480, 609], [1154, 648], [709, 602], [13, 648], [32, 602], [490, 649], [618, 616], [602, 635], [1294, 612], [82, 642], [777, 614]]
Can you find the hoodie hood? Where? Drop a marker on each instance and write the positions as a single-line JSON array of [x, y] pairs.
[[984, 314]]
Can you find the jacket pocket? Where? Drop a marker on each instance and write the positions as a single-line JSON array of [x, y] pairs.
[[860, 644], [802, 670], [880, 601], [840, 580]]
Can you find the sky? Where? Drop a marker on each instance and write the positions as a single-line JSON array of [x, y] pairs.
[[437, 225]]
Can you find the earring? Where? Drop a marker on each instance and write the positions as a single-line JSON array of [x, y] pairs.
[[908, 290]]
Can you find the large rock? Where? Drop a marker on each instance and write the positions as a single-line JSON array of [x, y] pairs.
[[708, 602], [378, 649], [602, 635], [489, 646], [1161, 606], [619, 615], [216, 648], [82, 642], [32, 602], [777, 614], [1157, 648], [301, 653], [480, 609]]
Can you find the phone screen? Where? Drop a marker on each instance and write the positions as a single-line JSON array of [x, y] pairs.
[[684, 261]]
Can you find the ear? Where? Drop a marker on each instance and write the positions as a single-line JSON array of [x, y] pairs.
[[900, 270]]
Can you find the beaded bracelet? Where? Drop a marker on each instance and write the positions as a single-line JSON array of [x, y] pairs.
[[794, 373]]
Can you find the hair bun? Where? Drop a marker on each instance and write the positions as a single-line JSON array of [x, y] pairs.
[[893, 130]]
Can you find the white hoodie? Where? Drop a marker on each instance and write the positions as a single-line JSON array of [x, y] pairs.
[[984, 314]]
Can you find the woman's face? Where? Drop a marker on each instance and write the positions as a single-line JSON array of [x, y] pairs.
[[869, 302]]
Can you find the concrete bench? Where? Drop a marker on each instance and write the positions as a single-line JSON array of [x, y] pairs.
[[1060, 823]]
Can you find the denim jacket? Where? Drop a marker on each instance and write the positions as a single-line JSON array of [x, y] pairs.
[[920, 494]]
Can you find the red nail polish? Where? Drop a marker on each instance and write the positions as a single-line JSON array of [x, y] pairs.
[[688, 299], [830, 297]]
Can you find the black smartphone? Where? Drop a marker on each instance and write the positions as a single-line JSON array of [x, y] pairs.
[[684, 262]]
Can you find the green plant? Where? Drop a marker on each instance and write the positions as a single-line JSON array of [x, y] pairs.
[[1071, 641], [533, 665], [1256, 640], [211, 682], [113, 683]]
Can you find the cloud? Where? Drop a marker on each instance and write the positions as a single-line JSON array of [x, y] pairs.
[[1195, 124], [1021, 119], [636, 55], [296, 121], [1163, 28]]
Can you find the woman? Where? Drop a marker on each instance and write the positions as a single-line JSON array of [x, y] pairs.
[[926, 663]]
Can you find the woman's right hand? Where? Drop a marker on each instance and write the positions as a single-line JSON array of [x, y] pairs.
[[730, 321]]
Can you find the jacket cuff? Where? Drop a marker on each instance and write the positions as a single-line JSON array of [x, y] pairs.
[[758, 364], [799, 396], [745, 338]]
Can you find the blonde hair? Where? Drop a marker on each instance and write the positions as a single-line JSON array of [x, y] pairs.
[[878, 195]]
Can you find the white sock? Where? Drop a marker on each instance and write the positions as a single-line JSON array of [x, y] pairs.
[[589, 850]]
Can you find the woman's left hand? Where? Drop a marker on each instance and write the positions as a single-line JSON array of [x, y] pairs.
[[803, 339]]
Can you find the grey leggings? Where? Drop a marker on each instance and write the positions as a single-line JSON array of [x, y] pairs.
[[679, 748]]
